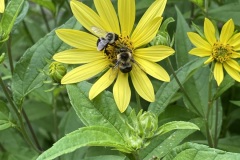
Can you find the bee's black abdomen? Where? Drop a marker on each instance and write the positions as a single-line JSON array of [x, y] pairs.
[[126, 69], [116, 37]]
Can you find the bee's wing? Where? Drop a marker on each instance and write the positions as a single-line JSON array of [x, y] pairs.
[[98, 31], [101, 44]]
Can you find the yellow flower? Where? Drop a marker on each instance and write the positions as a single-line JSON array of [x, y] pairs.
[[2, 6], [221, 51], [142, 60]]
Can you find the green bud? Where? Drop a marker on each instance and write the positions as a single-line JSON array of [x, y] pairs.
[[56, 71], [2, 57], [134, 141], [148, 124], [162, 38]]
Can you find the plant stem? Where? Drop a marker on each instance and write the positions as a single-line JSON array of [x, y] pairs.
[[23, 131], [45, 19], [206, 7], [31, 130], [133, 156], [210, 103], [63, 101], [10, 53], [27, 31], [55, 116], [182, 88], [216, 127]]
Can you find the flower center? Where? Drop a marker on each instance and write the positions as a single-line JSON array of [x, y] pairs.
[[120, 54], [221, 52]]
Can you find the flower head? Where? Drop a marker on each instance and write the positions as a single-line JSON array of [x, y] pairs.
[[221, 51], [117, 58], [2, 6]]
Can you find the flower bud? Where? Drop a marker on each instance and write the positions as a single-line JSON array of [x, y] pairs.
[[148, 124], [162, 38], [134, 142], [57, 71]]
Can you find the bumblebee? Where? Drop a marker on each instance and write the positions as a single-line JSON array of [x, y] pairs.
[[124, 60], [105, 38]]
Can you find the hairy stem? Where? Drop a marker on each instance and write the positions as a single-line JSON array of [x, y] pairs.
[[45, 19], [10, 53], [31, 130], [210, 105], [216, 127], [23, 131], [28, 32], [182, 88]]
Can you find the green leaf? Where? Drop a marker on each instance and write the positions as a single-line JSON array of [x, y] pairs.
[[168, 90], [192, 151], [225, 12], [101, 111], [225, 85], [87, 136], [5, 124], [69, 123], [15, 146], [106, 157], [46, 3], [4, 112], [9, 16], [237, 103], [28, 74], [197, 86], [176, 125], [22, 14], [231, 144], [161, 145], [165, 24], [183, 46], [197, 90]]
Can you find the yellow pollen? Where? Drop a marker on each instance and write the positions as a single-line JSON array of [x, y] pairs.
[[112, 50], [221, 52]]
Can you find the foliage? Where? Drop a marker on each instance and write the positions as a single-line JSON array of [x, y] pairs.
[[191, 117]]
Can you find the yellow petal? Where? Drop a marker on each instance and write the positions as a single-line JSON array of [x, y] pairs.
[[209, 60], [85, 72], [235, 42], [2, 6], [102, 83], [199, 41], [78, 39], [155, 10], [87, 17], [233, 64], [107, 12], [209, 31], [201, 52], [218, 72], [77, 56], [237, 47], [154, 53], [142, 84], [144, 36], [153, 69], [122, 92], [126, 13], [227, 31], [235, 55], [232, 72]]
